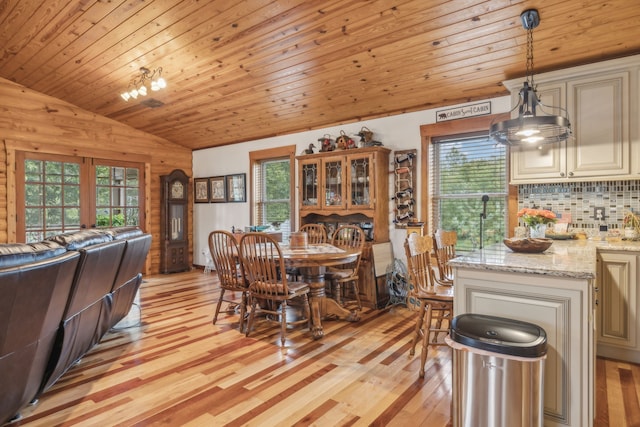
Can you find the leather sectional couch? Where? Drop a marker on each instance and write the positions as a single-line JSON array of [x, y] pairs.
[[59, 298]]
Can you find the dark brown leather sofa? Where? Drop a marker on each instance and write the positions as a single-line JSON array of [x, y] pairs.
[[129, 277], [35, 282], [59, 298]]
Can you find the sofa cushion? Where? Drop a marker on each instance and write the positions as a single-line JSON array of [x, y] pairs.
[[119, 233], [75, 240], [14, 254], [47, 249]]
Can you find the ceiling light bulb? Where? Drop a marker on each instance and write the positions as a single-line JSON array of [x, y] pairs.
[[138, 86], [532, 139], [527, 132]]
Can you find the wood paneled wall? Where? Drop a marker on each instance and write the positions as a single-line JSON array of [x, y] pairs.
[[31, 121]]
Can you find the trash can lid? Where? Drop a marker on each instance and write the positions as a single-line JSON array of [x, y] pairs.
[[499, 335]]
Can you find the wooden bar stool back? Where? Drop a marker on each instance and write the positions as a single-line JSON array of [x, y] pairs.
[[226, 261], [436, 301], [269, 289], [444, 248]]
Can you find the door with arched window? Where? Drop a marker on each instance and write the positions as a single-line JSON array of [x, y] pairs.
[[56, 194]]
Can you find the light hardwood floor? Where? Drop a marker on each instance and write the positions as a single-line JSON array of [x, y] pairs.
[[179, 369]]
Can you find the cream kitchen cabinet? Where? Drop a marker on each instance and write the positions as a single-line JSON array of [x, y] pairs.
[[601, 112], [617, 309]]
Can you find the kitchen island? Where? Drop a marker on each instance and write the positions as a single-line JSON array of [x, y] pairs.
[[555, 290]]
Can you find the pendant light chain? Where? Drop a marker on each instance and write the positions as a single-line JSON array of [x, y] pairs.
[[530, 57]]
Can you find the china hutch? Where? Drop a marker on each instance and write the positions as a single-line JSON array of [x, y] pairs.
[[349, 187]]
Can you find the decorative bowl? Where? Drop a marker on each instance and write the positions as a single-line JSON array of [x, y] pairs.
[[528, 245]]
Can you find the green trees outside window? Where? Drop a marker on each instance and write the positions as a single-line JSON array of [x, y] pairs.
[[465, 168]]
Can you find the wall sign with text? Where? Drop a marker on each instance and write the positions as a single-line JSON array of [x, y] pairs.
[[481, 109]]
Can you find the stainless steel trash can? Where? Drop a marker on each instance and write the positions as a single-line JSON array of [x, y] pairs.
[[498, 371]]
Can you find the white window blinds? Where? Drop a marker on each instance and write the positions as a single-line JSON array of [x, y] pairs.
[[272, 201], [464, 168]]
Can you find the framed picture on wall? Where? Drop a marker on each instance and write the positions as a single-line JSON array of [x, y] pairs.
[[217, 189], [201, 190], [237, 187]]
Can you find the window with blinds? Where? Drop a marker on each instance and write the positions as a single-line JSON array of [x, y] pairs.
[[464, 168], [272, 198]]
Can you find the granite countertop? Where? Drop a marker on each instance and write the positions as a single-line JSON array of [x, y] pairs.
[[565, 258]]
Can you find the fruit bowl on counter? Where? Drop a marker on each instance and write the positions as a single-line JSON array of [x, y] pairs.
[[528, 245]]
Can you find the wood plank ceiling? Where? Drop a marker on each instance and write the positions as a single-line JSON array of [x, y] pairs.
[[244, 70]]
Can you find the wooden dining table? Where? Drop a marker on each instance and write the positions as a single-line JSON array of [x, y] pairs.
[[312, 263]]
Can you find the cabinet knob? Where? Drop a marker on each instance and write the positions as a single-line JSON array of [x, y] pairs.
[[570, 173], [561, 173]]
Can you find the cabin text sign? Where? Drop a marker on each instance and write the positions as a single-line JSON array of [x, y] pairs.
[[480, 109]]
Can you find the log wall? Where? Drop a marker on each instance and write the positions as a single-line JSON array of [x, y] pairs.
[[31, 121]]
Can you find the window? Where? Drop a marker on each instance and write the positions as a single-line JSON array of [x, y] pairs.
[[117, 195], [464, 168], [272, 189], [51, 197], [58, 194]]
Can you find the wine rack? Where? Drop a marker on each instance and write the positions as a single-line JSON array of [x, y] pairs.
[[404, 170]]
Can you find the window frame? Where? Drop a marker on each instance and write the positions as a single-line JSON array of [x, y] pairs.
[[456, 127], [448, 191], [87, 187], [259, 156]]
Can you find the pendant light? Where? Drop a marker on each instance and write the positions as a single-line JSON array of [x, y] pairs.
[[536, 123]]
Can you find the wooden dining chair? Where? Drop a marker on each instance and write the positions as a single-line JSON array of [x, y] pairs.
[[444, 249], [346, 236], [269, 289], [436, 301], [317, 233], [225, 256]]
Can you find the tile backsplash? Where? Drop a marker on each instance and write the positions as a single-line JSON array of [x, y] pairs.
[[580, 199]]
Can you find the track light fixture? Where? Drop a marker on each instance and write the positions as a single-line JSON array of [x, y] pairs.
[[534, 124], [138, 86]]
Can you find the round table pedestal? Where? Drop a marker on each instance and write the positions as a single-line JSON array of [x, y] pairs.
[[321, 306]]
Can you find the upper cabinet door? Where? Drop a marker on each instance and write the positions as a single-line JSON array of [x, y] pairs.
[[360, 180], [599, 108], [309, 182], [334, 181]]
